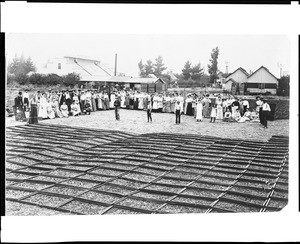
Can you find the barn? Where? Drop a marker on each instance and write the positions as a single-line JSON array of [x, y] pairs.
[[262, 81]]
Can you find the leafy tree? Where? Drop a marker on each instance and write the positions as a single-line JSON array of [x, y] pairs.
[[21, 66], [284, 86], [196, 72], [213, 67], [186, 71], [142, 69], [159, 67], [149, 68], [71, 79]]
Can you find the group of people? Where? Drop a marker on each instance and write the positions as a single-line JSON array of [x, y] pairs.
[[67, 103]]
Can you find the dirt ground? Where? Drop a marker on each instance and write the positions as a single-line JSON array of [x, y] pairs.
[[134, 121]]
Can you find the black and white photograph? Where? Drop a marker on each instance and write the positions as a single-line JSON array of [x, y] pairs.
[[138, 124]]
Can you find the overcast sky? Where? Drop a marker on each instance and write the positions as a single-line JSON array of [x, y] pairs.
[[247, 51]]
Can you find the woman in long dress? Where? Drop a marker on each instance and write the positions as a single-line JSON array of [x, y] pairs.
[[141, 101], [199, 110], [127, 100], [219, 108], [123, 96], [155, 103], [33, 116], [93, 97], [160, 103], [189, 108], [112, 100], [206, 107], [43, 107], [100, 98], [172, 103]]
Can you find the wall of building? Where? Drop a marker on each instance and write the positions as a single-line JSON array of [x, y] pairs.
[[239, 76], [262, 76]]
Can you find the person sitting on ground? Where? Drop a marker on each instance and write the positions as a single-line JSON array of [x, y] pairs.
[[64, 110], [50, 112], [75, 109], [255, 116], [227, 116], [236, 115], [87, 107]]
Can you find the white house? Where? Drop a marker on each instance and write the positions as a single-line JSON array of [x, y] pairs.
[[262, 81], [227, 86], [83, 66], [239, 75]]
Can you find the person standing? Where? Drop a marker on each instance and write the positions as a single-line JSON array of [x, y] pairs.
[[219, 104], [33, 116], [26, 100], [213, 114], [43, 107], [18, 108], [172, 103], [149, 111], [117, 105], [259, 104], [189, 106], [199, 110], [206, 106], [178, 112], [265, 112]]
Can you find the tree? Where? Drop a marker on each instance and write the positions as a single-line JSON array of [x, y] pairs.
[[71, 79], [213, 67], [196, 72], [284, 86], [158, 66], [142, 69], [149, 68], [21, 66], [186, 71]]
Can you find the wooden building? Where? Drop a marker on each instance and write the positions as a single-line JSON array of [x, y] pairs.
[[261, 81]]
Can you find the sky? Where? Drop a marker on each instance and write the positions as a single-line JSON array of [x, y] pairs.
[[247, 51]]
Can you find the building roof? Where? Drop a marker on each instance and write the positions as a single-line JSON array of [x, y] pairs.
[[240, 68], [82, 57], [262, 67], [124, 79], [230, 80]]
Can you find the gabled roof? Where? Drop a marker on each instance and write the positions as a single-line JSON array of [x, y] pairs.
[[230, 80], [262, 67], [241, 69], [125, 79]]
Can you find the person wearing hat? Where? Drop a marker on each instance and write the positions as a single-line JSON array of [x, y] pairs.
[[265, 112], [245, 105], [19, 109], [117, 104]]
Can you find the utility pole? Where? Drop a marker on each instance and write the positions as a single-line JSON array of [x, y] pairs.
[[280, 68], [115, 64], [226, 62]]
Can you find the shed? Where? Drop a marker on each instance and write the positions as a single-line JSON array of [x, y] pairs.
[[262, 81]]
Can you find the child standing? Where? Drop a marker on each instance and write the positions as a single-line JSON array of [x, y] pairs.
[[213, 113], [178, 111], [149, 110]]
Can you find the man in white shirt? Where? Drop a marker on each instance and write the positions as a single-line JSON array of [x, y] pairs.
[[265, 111], [177, 111], [26, 100]]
